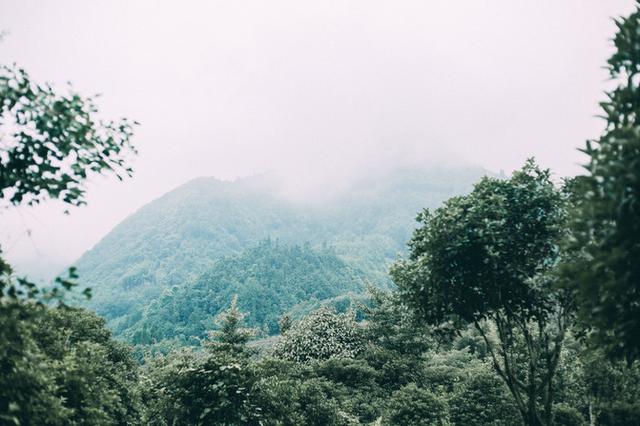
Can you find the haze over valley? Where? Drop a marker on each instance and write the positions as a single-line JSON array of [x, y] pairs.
[[331, 213]]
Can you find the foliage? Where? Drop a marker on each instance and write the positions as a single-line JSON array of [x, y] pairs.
[[479, 252], [620, 414], [268, 280], [54, 370], [177, 238], [394, 370], [51, 142], [391, 325], [323, 334], [565, 415], [487, 258], [61, 366], [444, 371], [413, 406], [211, 387], [479, 332], [285, 323], [606, 278], [290, 402], [188, 388], [483, 400], [231, 336], [608, 383], [71, 354], [470, 339], [26, 390]]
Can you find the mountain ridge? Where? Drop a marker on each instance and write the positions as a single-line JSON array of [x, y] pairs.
[[179, 236]]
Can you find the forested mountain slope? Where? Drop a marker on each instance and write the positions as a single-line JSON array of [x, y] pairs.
[[178, 237], [268, 280]]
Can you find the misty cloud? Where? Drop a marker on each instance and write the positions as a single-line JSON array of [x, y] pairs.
[[321, 92]]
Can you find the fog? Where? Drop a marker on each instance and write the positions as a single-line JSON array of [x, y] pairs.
[[320, 91]]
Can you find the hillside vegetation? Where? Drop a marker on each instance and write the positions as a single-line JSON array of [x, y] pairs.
[[268, 281], [516, 302], [177, 238]]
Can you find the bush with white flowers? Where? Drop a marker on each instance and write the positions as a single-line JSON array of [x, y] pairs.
[[323, 334]]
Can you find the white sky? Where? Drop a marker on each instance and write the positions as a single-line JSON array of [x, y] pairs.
[[321, 90]]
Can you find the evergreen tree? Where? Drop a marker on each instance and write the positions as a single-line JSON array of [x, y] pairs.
[[231, 336]]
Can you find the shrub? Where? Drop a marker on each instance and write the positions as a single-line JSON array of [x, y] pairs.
[[620, 414], [483, 400], [323, 334], [187, 388], [566, 415], [414, 406]]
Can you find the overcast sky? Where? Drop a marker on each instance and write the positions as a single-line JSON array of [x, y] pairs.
[[323, 89]]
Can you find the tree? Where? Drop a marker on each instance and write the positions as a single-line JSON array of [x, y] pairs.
[[49, 144], [323, 334], [189, 388], [292, 393], [231, 336], [565, 415], [207, 387], [412, 405], [486, 259], [27, 386], [61, 366], [392, 325], [483, 400], [610, 386], [285, 323], [606, 224]]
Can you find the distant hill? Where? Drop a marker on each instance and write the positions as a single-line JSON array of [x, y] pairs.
[[269, 280], [180, 236]]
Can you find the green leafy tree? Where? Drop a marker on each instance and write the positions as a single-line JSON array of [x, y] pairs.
[[608, 383], [27, 386], [49, 144], [606, 278], [362, 394], [52, 141], [323, 334], [63, 367], [565, 415], [268, 279], [444, 371], [292, 393], [414, 406], [390, 324], [188, 388], [486, 259], [483, 400], [207, 387], [97, 374], [620, 414]]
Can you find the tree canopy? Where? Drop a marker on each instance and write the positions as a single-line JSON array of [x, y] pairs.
[[52, 141], [486, 259], [606, 223]]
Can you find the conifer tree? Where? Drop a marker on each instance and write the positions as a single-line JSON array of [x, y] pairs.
[[230, 336]]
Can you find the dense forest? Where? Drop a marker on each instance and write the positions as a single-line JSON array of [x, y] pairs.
[[516, 301], [269, 281], [176, 239]]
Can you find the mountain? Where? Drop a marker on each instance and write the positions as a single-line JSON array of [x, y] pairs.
[[178, 237], [269, 280]]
